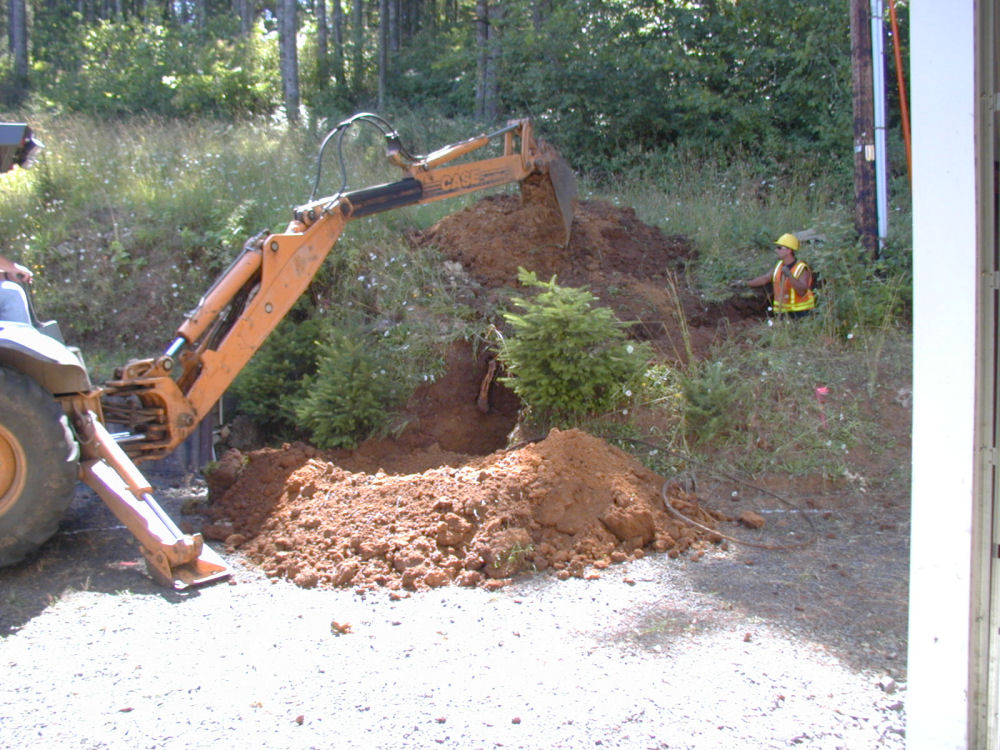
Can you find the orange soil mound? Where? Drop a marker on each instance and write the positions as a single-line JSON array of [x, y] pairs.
[[566, 503]]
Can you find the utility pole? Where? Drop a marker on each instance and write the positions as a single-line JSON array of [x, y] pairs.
[[865, 212]]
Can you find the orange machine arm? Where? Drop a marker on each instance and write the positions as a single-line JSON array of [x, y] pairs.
[[161, 403]]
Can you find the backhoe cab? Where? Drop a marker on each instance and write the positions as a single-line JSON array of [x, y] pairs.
[[56, 426], [18, 147]]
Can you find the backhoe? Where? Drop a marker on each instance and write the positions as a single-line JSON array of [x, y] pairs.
[[57, 427]]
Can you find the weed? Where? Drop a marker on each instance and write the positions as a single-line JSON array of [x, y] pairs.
[[515, 558]]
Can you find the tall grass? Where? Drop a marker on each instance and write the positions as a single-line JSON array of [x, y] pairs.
[[753, 406], [133, 219]]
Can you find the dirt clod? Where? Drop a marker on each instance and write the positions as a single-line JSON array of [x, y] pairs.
[[751, 520]]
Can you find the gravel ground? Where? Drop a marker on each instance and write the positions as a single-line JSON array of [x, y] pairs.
[[746, 648]]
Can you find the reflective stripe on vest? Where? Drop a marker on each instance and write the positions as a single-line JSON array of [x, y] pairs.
[[786, 299]]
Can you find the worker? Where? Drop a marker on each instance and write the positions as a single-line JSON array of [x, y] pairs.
[[13, 301], [791, 280]]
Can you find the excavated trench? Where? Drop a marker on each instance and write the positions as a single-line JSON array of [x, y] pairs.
[[445, 502]]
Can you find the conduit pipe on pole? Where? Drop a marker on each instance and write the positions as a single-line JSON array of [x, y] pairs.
[[878, 88]]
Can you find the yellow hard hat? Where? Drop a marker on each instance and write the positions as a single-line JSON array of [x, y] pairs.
[[788, 240]]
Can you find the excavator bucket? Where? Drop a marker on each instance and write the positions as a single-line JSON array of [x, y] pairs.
[[551, 188], [533, 162], [564, 186]]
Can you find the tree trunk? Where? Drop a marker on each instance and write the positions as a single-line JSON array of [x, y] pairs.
[[383, 48], [409, 12], [338, 42], [394, 25], [322, 45], [488, 21], [482, 56], [19, 46], [491, 105], [287, 28], [358, 34], [540, 10], [244, 9]]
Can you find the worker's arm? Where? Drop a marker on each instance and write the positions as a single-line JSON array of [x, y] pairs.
[[15, 271], [763, 280], [802, 283]]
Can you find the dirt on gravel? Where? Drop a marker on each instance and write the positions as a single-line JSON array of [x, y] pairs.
[[437, 505]]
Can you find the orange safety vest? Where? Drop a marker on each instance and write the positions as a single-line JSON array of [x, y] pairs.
[[786, 299]]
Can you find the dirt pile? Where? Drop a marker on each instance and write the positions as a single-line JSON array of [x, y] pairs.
[[632, 267], [570, 503]]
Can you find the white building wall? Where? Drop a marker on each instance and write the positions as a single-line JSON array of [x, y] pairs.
[[945, 288]]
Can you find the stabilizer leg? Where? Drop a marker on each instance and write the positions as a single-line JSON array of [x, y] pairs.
[[173, 558]]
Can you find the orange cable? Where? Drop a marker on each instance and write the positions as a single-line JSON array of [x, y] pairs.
[[903, 108]]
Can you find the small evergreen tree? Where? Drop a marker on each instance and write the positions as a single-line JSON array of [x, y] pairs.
[[351, 394], [712, 393], [567, 359], [271, 385]]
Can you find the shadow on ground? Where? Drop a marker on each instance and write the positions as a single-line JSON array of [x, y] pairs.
[[847, 590], [91, 551]]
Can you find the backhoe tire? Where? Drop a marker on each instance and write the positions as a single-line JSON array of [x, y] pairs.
[[38, 466]]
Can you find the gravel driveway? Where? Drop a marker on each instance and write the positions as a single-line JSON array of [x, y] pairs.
[[745, 648]]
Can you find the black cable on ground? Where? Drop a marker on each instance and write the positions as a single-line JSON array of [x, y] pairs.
[[715, 532], [723, 475]]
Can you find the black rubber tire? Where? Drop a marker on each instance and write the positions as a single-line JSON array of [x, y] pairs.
[[38, 466]]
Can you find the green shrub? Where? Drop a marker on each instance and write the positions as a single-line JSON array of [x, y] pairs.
[[126, 67], [711, 394], [858, 295], [271, 384], [352, 392], [567, 359]]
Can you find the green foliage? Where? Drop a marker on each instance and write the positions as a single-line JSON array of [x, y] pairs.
[[767, 76], [567, 359], [432, 72], [274, 381], [711, 393], [608, 82], [860, 295], [384, 318], [127, 67], [352, 392]]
